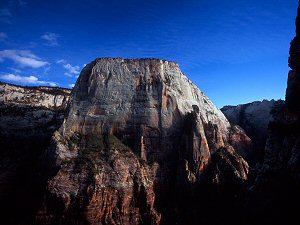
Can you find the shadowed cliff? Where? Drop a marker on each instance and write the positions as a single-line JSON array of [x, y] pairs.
[[28, 118]]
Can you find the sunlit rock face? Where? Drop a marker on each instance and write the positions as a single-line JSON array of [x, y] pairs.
[[144, 104], [137, 134], [48, 97], [30, 111]]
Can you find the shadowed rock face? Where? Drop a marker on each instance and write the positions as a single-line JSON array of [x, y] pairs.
[[282, 145], [254, 118], [293, 87], [277, 185], [28, 118], [227, 169]]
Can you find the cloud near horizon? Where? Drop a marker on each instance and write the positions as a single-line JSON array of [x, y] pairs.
[[23, 58], [26, 80], [50, 38], [71, 70]]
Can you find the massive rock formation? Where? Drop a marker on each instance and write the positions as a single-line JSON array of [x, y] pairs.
[[254, 118], [28, 118], [138, 135], [282, 145], [277, 185], [293, 87]]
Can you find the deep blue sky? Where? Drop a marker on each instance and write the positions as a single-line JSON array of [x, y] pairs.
[[235, 51]]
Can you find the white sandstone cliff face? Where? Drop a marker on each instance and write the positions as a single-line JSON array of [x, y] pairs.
[[145, 99], [120, 82], [254, 115], [31, 110], [33, 96], [137, 134]]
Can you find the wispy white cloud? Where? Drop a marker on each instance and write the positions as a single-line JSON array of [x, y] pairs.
[[47, 69], [3, 36], [5, 12], [15, 70], [70, 70], [22, 3], [71, 85], [5, 15], [8, 6], [26, 80], [23, 58], [61, 61], [50, 38]]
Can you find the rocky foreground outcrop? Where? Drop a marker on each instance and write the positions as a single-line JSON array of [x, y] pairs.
[[28, 118], [276, 188], [136, 144], [286, 126], [282, 155]]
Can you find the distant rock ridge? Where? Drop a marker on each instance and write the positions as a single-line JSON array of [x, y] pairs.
[[28, 118], [254, 118], [26, 108], [16, 94], [138, 133]]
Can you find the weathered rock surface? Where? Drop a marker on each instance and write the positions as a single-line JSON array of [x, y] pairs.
[[138, 134], [282, 144], [133, 98], [227, 169], [29, 111], [254, 118], [28, 118]]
